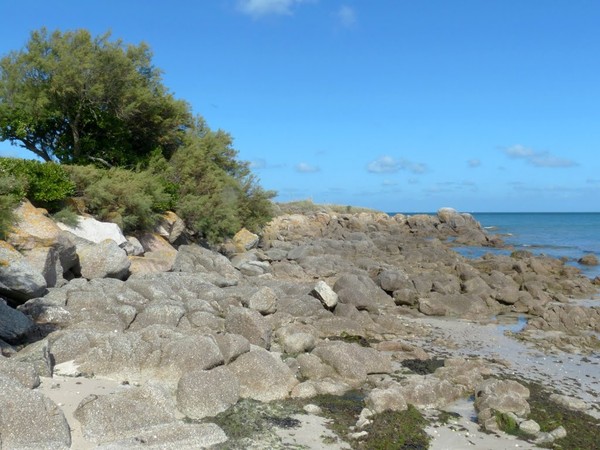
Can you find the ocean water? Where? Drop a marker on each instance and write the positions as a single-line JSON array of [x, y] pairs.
[[560, 235]]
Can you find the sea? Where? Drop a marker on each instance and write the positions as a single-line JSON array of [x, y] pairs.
[[560, 235]]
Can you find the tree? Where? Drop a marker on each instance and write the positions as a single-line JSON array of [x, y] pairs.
[[216, 193], [74, 99]]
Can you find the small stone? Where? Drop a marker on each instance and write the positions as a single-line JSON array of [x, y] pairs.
[[312, 409], [358, 435], [559, 433], [530, 427]]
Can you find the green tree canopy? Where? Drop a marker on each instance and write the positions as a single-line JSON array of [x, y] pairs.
[[73, 98]]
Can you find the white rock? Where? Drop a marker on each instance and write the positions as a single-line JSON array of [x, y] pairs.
[[95, 231]]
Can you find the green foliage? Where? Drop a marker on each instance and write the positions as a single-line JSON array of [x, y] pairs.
[[12, 190], [66, 216], [397, 430], [216, 195], [582, 429], [131, 199], [44, 184], [76, 98], [80, 100], [507, 423]]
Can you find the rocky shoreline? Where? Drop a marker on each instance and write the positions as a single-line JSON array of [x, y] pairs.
[[168, 337]]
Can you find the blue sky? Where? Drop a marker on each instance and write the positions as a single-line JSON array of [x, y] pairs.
[[398, 105]]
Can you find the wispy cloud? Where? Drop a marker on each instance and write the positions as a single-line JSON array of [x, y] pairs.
[[347, 16], [452, 186], [260, 8], [473, 163], [306, 168], [537, 158], [389, 164]]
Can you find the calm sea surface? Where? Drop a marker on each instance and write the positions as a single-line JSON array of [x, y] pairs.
[[570, 235]]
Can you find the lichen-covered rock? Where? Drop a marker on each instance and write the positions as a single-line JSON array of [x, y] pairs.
[[245, 240], [206, 393], [29, 420], [19, 280], [14, 325], [264, 301], [352, 362], [125, 413], [250, 324], [389, 399], [103, 260], [263, 376]]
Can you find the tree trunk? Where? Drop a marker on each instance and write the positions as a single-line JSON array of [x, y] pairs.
[[32, 148]]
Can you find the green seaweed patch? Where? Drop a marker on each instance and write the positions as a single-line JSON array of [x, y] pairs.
[[397, 430], [343, 409], [249, 421], [582, 429], [509, 425], [423, 366], [445, 417]]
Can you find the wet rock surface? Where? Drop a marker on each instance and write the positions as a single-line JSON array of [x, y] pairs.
[[323, 304]]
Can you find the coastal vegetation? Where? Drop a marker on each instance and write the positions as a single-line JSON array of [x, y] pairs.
[[109, 132]]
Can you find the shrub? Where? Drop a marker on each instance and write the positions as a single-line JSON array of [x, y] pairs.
[[216, 194], [131, 199], [66, 216], [45, 184], [12, 190]]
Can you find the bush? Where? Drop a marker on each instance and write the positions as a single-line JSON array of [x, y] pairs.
[[131, 199], [12, 190], [216, 194], [67, 216], [44, 184]]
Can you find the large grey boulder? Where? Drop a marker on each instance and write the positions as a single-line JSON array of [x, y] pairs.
[[385, 399], [103, 260], [206, 393], [264, 301], [454, 305], [126, 413], [250, 324], [22, 372], [360, 291], [19, 280], [231, 345], [352, 362], [153, 352], [503, 396], [45, 260], [193, 258], [29, 420], [263, 376], [14, 325]]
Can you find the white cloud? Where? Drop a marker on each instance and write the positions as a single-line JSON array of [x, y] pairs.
[[346, 15], [537, 159], [259, 163], [259, 8], [473, 163], [389, 164], [306, 168]]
